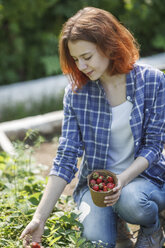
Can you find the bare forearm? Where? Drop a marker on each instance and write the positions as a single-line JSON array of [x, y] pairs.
[[138, 166], [53, 190]]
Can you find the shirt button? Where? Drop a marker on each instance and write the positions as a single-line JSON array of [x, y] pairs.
[[130, 117], [137, 143], [128, 98]]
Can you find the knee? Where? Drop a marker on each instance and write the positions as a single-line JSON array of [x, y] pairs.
[[133, 207]]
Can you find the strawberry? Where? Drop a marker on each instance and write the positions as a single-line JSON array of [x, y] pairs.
[[105, 188], [95, 187], [92, 182], [105, 180], [35, 245], [110, 185], [110, 179], [99, 179], [101, 185], [95, 175]]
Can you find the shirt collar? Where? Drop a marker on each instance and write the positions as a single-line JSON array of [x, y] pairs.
[[130, 85]]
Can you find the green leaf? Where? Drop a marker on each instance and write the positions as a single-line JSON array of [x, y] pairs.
[[81, 241], [55, 240], [34, 201], [73, 239]]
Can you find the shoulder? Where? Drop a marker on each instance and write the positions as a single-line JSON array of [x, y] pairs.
[[88, 88], [148, 73]]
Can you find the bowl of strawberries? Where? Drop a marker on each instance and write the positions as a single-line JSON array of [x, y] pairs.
[[101, 184]]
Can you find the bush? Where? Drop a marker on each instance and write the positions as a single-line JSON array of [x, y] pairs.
[[144, 19], [30, 31]]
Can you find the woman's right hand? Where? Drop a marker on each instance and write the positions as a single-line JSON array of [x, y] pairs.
[[32, 233]]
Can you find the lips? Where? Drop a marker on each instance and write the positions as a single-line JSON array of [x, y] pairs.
[[89, 73]]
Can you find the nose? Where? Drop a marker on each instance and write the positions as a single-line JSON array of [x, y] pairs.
[[81, 65]]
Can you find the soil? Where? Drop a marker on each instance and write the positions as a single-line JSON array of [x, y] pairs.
[[45, 155]]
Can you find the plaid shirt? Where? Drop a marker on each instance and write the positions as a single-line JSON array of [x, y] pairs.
[[87, 124]]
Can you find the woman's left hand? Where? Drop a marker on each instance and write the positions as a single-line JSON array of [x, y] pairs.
[[112, 199]]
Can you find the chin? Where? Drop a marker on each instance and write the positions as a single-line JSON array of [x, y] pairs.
[[94, 78]]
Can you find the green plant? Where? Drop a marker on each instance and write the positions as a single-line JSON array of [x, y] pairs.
[[21, 188]]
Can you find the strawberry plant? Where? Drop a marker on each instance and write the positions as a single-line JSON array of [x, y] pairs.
[[21, 187]]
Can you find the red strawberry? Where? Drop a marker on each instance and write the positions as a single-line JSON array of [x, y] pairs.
[[95, 187], [100, 190], [92, 182], [105, 180], [110, 185], [95, 175], [105, 188], [101, 185], [110, 179], [99, 179], [35, 245]]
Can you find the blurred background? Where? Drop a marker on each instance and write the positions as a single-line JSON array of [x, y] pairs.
[[29, 32]]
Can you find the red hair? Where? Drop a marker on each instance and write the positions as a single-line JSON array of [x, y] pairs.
[[102, 28]]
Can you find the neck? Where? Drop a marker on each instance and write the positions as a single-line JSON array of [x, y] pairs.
[[114, 80]]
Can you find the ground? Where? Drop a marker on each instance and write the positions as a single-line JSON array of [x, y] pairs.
[[45, 155]]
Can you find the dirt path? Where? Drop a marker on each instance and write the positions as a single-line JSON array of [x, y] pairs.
[[45, 155]]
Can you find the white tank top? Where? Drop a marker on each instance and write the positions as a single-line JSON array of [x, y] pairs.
[[121, 152]]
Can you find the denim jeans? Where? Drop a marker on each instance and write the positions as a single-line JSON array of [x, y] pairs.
[[139, 203], [99, 223]]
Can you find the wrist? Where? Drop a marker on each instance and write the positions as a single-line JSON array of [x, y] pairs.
[[38, 219], [121, 180]]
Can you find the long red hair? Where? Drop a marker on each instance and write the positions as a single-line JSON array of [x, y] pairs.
[[103, 29]]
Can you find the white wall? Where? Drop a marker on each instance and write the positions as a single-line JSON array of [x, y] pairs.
[[34, 89]]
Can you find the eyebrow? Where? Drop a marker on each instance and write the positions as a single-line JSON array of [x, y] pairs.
[[82, 54]]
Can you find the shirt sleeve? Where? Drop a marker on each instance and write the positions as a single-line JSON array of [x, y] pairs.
[[70, 144], [154, 133]]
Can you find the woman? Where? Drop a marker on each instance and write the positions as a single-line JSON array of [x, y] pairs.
[[114, 112]]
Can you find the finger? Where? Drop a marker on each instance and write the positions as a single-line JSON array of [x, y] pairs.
[[27, 241], [25, 232], [111, 200], [112, 197], [36, 239], [117, 188], [111, 203], [28, 230]]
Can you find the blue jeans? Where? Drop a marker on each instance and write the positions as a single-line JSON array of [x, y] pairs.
[[99, 223], [140, 203]]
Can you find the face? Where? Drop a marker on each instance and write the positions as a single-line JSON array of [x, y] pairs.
[[88, 59]]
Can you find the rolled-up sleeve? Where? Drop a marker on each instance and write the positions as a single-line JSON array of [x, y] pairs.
[[154, 133], [70, 142]]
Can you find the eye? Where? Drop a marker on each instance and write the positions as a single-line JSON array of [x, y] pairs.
[[88, 58]]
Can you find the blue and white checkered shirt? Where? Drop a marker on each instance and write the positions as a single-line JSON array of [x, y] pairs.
[[87, 125]]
